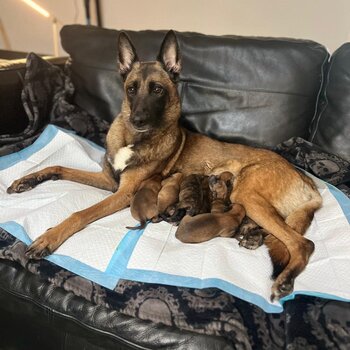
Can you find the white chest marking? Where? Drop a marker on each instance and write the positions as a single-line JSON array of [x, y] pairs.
[[121, 158]]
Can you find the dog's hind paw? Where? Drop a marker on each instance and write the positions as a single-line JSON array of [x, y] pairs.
[[280, 290]]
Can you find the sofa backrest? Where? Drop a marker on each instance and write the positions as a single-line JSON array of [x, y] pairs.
[[331, 125], [238, 89]]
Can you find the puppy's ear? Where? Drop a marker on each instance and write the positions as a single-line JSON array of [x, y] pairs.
[[127, 55], [169, 55]]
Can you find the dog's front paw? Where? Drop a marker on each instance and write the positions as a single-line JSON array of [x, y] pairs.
[[30, 181], [23, 184], [43, 246]]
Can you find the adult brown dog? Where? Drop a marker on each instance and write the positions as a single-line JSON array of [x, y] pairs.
[[146, 139]]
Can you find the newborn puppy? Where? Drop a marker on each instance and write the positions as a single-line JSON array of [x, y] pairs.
[[220, 187], [249, 234], [218, 223], [169, 193], [204, 227], [193, 198], [143, 206]]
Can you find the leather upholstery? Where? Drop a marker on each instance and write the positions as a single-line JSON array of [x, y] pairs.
[[331, 127], [51, 318], [247, 90]]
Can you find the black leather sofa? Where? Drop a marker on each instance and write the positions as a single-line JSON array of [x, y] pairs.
[[259, 91]]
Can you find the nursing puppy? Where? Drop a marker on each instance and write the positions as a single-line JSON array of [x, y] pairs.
[[194, 198], [146, 138], [219, 222], [144, 206], [220, 188], [169, 193]]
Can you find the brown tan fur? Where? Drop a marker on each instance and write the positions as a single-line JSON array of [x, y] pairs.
[[276, 196], [143, 206], [220, 222], [206, 226], [220, 187], [169, 193], [194, 198]]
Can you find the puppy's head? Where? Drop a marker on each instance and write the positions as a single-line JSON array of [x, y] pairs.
[[151, 98], [221, 185]]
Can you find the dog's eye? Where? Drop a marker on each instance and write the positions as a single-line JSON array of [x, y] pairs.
[[131, 90], [157, 89]]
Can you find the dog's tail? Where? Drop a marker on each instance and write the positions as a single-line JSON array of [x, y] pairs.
[[141, 227], [279, 254]]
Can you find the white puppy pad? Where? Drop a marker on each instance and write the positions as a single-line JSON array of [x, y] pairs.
[[106, 251]]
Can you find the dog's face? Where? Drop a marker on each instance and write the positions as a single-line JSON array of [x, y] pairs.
[[151, 98]]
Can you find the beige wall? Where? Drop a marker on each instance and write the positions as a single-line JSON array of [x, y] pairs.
[[29, 31], [325, 21]]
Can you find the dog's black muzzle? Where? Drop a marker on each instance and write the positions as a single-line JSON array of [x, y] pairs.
[[140, 120]]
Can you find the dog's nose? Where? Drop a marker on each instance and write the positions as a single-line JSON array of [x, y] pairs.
[[139, 120]]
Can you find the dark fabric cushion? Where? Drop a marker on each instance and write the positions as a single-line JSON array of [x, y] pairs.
[[13, 118], [331, 127], [247, 90]]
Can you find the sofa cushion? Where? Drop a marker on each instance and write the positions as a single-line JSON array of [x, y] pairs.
[[43, 316], [13, 118], [238, 89], [331, 126], [17, 107]]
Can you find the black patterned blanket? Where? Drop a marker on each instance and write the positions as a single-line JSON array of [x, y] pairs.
[[306, 323]]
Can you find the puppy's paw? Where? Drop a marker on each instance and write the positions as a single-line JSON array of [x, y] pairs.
[[177, 216], [252, 239]]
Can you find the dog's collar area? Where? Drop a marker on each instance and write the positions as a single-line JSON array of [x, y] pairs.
[[175, 156]]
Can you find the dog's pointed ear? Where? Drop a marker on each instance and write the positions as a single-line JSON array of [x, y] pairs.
[[127, 55], [169, 55]]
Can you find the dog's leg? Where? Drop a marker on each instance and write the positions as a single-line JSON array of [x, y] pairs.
[[97, 179], [54, 237], [279, 255], [299, 220], [300, 248]]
